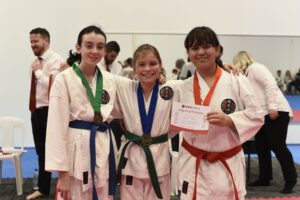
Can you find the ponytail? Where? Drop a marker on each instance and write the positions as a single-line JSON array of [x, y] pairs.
[[73, 57], [219, 62]]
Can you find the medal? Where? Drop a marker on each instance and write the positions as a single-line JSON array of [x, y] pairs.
[[146, 140], [98, 119], [96, 100]]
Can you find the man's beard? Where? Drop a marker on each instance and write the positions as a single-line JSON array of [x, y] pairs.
[[38, 51]]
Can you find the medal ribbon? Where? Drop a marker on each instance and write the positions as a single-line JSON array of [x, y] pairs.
[[147, 120], [198, 101], [197, 89], [96, 100]]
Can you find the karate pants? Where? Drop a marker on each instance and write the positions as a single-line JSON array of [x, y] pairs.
[[141, 189], [78, 194]]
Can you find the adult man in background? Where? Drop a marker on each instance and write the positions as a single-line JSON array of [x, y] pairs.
[[46, 63], [108, 62]]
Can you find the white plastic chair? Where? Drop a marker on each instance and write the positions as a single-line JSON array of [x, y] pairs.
[[174, 166], [8, 150]]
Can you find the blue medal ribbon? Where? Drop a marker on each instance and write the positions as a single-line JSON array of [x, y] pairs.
[[147, 119]]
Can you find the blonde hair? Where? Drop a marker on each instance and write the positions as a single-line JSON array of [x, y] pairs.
[[242, 60], [144, 49]]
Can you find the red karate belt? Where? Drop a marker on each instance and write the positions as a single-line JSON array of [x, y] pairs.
[[211, 157]]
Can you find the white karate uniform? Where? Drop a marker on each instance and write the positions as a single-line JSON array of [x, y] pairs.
[[213, 180], [67, 149], [136, 164]]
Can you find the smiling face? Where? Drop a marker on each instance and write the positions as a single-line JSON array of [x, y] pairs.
[[203, 56], [203, 47], [147, 67], [39, 44], [91, 49]]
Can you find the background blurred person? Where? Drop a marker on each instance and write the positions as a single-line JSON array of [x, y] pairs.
[[273, 134]]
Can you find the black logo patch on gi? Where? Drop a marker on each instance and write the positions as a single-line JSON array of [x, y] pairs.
[[185, 187], [105, 97], [228, 106], [129, 180], [85, 177], [166, 93]]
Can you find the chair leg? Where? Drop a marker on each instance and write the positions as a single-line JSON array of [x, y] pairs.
[[0, 171], [18, 173], [248, 168]]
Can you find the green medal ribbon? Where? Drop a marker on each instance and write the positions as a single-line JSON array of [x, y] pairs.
[[96, 100]]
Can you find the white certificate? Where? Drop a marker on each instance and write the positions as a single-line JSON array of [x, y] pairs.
[[189, 117]]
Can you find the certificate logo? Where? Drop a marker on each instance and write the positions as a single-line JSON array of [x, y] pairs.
[[166, 93], [228, 106], [105, 97]]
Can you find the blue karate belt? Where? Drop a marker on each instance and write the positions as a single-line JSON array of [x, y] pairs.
[[78, 124]]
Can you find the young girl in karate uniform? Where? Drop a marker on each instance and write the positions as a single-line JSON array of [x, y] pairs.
[[79, 144], [212, 165], [145, 106]]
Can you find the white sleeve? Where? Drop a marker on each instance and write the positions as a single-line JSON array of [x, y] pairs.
[[249, 120], [122, 84], [43, 78], [264, 77], [57, 127]]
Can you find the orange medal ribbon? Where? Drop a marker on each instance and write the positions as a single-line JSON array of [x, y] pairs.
[[197, 89], [198, 101]]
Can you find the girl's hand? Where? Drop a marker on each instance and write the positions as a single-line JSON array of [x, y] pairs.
[[273, 114], [162, 79], [63, 185], [231, 68], [36, 65], [219, 119]]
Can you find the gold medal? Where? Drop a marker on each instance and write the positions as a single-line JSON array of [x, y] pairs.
[[98, 119], [146, 140]]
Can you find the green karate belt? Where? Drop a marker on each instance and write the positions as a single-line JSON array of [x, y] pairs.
[[145, 141]]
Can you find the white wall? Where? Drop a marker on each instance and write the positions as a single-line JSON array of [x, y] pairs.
[[132, 22]]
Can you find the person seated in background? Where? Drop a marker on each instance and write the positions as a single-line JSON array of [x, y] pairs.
[[187, 70], [279, 80], [272, 135], [175, 73], [295, 83], [287, 79], [178, 65]]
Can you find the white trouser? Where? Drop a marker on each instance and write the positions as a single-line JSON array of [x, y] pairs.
[[141, 189], [78, 194]]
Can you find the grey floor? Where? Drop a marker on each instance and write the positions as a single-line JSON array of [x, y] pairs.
[[8, 192]]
